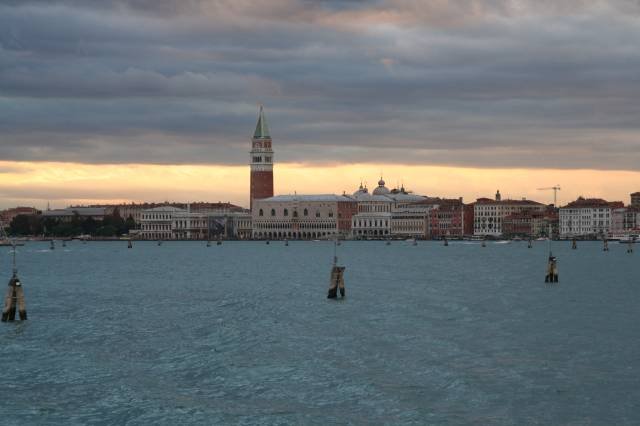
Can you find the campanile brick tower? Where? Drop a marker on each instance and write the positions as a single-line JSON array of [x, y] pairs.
[[261, 161]]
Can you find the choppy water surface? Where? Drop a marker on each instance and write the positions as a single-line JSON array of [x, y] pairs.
[[243, 333]]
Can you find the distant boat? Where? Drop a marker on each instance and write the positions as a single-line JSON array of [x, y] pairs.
[[628, 239], [542, 239]]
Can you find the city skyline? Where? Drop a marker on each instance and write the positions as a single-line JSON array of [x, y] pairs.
[[132, 100]]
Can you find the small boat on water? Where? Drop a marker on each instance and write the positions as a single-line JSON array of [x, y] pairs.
[[628, 239]]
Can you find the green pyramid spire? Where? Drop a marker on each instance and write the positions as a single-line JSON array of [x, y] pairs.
[[262, 130]]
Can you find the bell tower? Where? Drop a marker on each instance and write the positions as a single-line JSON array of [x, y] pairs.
[[261, 161]]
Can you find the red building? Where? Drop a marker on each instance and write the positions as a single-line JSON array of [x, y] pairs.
[[447, 220], [346, 211], [261, 161], [530, 223], [467, 219]]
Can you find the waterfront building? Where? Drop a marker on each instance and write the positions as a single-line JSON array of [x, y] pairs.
[[625, 220], [530, 223], [489, 214], [587, 217], [302, 216], [261, 155], [388, 213], [238, 225], [468, 219], [157, 223], [408, 213], [174, 223], [134, 210], [635, 199], [373, 218], [6, 216], [446, 219]]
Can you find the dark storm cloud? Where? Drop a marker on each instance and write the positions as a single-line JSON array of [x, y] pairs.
[[467, 82]]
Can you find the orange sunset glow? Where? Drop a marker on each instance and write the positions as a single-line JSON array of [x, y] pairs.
[[61, 184]]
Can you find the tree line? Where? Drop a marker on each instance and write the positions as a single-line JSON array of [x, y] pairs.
[[35, 225]]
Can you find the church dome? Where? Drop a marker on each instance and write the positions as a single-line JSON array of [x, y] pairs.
[[361, 190], [381, 189]]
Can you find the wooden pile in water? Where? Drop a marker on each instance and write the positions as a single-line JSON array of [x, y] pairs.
[[14, 299], [337, 282]]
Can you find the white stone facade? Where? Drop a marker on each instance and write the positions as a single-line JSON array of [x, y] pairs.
[[586, 218], [172, 223], [300, 216], [157, 223], [489, 214]]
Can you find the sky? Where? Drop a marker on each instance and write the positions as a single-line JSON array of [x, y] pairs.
[[153, 100]]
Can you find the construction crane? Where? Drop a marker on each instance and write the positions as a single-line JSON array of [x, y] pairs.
[[555, 193]]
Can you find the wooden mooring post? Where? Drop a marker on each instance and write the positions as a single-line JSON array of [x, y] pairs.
[[574, 244], [552, 270], [14, 298], [336, 282]]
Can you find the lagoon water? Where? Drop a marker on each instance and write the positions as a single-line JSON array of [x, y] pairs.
[[243, 334]]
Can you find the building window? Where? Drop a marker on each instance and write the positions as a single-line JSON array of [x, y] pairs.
[[261, 213], [286, 212], [273, 212], [305, 212], [317, 213], [295, 213], [330, 214], [257, 159]]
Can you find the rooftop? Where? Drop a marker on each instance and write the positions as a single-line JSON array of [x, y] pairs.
[[312, 197], [507, 201], [72, 211], [593, 202], [262, 129]]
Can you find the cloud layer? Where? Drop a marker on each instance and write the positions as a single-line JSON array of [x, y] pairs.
[[503, 83]]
